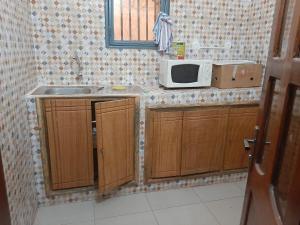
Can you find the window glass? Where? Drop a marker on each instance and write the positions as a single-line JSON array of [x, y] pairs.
[[129, 23]]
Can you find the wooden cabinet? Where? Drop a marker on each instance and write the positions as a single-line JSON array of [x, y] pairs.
[[70, 147], [203, 136], [165, 133], [70, 143], [241, 124], [115, 143], [186, 141]]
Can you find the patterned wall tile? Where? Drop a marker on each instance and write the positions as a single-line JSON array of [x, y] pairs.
[[17, 77], [259, 28], [63, 27]]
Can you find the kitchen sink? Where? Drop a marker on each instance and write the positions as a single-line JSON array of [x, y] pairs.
[[66, 90]]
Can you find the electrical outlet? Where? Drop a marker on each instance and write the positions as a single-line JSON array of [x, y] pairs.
[[246, 3], [228, 44], [196, 45]]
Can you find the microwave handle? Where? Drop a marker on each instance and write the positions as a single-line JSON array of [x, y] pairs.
[[200, 71]]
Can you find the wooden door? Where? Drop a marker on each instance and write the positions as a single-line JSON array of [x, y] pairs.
[[164, 143], [115, 123], [203, 136], [4, 208], [70, 142], [241, 122], [273, 189]]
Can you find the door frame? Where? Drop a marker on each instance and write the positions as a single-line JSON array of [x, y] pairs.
[[4, 206], [283, 67]]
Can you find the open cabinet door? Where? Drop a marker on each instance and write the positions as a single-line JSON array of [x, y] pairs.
[[115, 143], [273, 188]]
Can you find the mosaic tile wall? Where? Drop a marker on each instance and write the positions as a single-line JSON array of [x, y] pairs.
[[259, 28], [63, 27], [17, 76]]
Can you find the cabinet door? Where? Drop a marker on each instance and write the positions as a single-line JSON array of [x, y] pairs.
[[241, 124], [165, 143], [115, 142], [70, 142], [202, 140]]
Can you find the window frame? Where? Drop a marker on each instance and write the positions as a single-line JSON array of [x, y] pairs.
[[109, 29]]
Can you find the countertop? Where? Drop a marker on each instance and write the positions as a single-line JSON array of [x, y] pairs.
[[158, 96], [106, 91]]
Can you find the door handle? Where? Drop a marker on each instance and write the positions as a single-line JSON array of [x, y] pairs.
[[247, 143]]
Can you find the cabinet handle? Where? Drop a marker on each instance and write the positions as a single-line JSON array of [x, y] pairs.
[[37, 128], [100, 151], [93, 121]]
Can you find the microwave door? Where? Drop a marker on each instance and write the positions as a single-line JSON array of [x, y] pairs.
[[185, 73], [204, 74]]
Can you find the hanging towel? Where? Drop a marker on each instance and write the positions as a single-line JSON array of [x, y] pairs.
[[163, 32]]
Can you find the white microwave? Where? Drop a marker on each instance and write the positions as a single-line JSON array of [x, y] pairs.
[[185, 73]]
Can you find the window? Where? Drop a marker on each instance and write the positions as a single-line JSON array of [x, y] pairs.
[[129, 23]]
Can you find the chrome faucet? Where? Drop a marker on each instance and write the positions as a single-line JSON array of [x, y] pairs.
[[79, 65]]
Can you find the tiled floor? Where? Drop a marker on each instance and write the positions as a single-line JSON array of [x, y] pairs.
[[219, 204]]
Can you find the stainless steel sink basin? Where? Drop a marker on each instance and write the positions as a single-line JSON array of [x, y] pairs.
[[66, 90]]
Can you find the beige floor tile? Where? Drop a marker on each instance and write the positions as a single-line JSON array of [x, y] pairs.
[[119, 206], [218, 192], [132, 219], [242, 185], [172, 198], [227, 211], [66, 213], [185, 215]]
